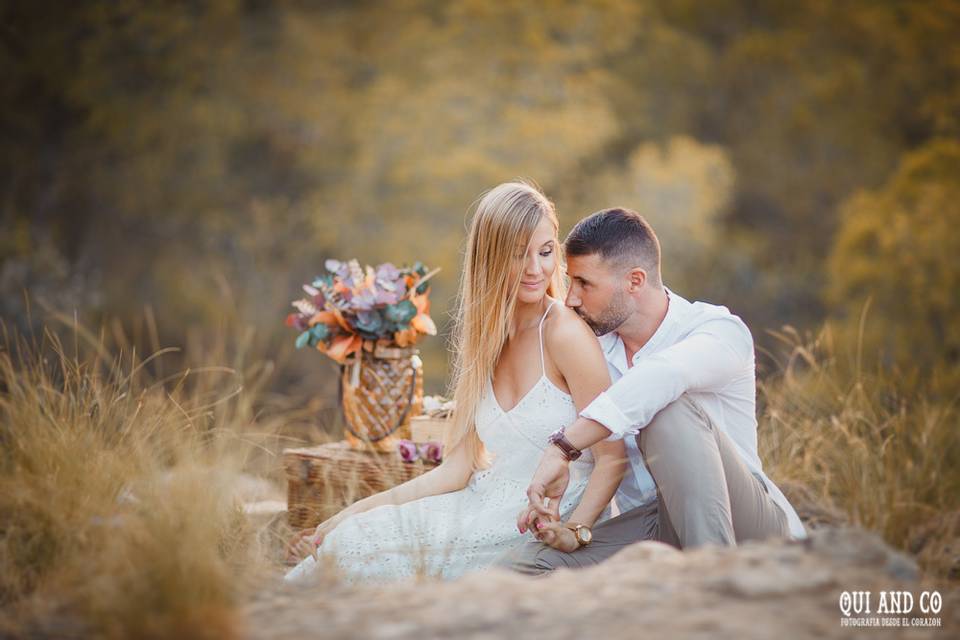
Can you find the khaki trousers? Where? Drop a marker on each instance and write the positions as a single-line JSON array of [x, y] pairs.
[[705, 495]]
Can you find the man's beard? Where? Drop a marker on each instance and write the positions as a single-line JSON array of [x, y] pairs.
[[610, 318]]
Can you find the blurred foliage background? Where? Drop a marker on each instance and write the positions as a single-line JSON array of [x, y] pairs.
[[180, 168]]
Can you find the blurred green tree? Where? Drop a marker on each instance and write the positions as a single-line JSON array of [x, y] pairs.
[[899, 248], [683, 188]]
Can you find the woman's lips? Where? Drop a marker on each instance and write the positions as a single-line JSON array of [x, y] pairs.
[[532, 285]]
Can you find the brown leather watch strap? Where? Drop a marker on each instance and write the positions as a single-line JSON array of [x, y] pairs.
[[570, 452]]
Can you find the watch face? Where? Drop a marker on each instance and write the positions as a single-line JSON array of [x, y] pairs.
[[586, 535]]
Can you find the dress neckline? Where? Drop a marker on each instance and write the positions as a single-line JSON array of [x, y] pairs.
[[543, 368], [523, 398]]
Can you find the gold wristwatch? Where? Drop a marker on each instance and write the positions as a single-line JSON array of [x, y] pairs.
[[582, 532]]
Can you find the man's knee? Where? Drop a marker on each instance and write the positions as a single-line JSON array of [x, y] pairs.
[[670, 423], [531, 558]]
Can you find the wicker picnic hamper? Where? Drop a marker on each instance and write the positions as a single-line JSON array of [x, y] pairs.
[[379, 393], [322, 480], [426, 428]]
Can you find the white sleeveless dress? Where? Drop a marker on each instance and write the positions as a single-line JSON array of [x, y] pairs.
[[449, 534]]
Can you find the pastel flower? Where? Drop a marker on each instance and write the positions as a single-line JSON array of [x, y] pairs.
[[387, 275], [432, 452], [365, 300], [369, 321], [387, 297], [401, 313], [408, 451]]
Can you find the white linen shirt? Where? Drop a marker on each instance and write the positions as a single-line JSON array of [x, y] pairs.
[[699, 349]]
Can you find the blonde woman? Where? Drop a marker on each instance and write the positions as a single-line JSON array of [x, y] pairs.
[[524, 366]]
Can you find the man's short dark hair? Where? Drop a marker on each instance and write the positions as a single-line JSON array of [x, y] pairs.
[[619, 236]]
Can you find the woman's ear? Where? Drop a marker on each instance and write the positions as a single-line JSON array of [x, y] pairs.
[[638, 277]]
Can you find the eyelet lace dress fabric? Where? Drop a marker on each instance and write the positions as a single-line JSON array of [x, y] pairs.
[[450, 534]]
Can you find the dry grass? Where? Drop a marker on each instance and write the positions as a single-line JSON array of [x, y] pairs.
[[878, 443], [119, 514], [119, 511]]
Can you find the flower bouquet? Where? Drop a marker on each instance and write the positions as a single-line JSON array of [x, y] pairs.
[[386, 306], [368, 320]]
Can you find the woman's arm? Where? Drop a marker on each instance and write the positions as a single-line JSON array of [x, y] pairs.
[[611, 464], [575, 351], [452, 475]]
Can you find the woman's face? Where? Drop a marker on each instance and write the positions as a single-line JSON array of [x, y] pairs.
[[537, 264]]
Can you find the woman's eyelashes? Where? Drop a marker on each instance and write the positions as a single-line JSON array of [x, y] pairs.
[[544, 253]]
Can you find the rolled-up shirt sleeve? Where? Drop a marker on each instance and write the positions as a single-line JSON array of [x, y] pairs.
[[710, 357]]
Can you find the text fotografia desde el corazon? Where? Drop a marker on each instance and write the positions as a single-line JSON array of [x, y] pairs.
[[893, 609]]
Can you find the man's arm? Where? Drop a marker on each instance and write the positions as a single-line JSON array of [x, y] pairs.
[[710, 357], [714, 355]]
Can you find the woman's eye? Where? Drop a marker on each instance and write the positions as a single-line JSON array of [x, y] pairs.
[[546, 252]]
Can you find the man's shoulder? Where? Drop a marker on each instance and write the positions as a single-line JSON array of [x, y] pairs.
[[704, 311], [693, 315]]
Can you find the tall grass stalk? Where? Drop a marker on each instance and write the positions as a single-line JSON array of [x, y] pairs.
[[879, 443], [119, 514]]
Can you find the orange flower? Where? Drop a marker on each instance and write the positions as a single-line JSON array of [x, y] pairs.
[[326, 317], [342, 347], [342, 321], [424, 324], [331, 319], [421, 302], [406, 337]]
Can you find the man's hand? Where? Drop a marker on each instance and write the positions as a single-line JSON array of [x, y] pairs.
[[546, 489], [558, 536]]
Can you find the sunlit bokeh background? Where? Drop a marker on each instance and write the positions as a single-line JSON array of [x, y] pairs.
[[201, 159]]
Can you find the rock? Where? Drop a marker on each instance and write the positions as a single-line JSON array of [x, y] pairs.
[[851, 546], [759, 590]]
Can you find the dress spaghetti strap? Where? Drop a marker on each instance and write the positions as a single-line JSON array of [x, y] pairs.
[[543, 364]]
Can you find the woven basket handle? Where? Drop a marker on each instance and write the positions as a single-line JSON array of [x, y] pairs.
[[403, 414]]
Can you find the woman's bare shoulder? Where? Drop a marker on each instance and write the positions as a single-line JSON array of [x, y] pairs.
[[574, 349], [563, 328]]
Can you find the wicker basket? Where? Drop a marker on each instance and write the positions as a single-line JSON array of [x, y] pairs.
[[379, 393], [322, 480], [427, 428]]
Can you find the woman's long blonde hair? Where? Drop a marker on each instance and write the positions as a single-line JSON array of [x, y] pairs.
[[502, 226]]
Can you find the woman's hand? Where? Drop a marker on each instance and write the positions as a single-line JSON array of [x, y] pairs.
[[556, 535], [324, 528], [298, 547], [305, 542]]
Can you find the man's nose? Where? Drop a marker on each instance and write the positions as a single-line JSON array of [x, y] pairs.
[[572, 300]]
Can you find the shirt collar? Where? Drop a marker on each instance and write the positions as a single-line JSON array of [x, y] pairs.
[[669, 319], [612, 344]]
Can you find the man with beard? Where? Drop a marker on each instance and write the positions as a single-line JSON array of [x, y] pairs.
[[683, 399]]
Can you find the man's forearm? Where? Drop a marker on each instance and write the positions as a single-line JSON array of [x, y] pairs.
[[584, 433]]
